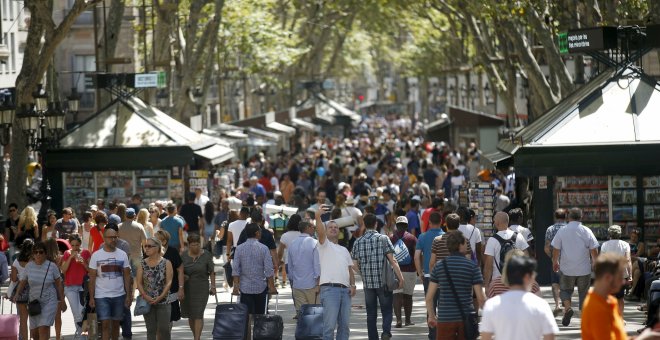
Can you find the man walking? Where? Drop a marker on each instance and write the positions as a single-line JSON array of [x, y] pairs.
[[404, 298], [66, 225], [134, 234], [252, 269], [516, 218], [600, 317], [174, 226], [423, 256], [192, 214], [532, 315], [577, 247], [110, 288], [304, 266], [493, 259], [369, 252], [560, 222], [337, 281]]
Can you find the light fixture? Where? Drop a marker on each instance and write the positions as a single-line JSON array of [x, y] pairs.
[[73, 100], [40, 98]]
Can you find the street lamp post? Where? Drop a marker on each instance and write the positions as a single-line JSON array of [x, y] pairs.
[[43, 125]]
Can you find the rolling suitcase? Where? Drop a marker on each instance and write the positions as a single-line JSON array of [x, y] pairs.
[[8, 322], [268, 326], [231, 321], [310, 323]]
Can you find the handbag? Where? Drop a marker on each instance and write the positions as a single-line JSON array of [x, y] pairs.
[[228, 274], [34, 306], [471, 320], [390, 281], [142, 307], [8, 322]]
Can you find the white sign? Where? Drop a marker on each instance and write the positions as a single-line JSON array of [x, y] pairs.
[[146, 80]]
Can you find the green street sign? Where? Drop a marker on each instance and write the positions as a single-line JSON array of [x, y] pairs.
[[162, 80], [562, 39]]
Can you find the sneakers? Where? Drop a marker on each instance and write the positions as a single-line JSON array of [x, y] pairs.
[[566, 320], [386, 336]]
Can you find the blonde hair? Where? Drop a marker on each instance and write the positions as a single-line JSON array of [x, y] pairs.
[[143, 216], [507, 257], [28, 218], [158, 244]]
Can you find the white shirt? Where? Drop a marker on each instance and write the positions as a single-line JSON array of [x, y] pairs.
[[201, 201], [335, 261], [575, 242], [286, 239], [493, 248], [522, 230], [236, 228], [518, 315], [618, 247], [472, 234], [353, 212], [109, 268]]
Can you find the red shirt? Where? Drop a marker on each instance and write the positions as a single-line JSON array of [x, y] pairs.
[[76, 272], [425, 218], [265, 181], [97, 238]]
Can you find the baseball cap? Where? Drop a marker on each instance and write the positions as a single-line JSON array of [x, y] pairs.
[[130, 212], [94, 207], [115, 219], [416, 198], [615, 229], [401, 219], [277, 193]]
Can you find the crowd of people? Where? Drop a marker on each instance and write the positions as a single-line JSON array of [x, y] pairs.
[[381, 208]]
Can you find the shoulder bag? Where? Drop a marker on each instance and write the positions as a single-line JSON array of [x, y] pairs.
[[389, 279], [471, 320], [34, 306]]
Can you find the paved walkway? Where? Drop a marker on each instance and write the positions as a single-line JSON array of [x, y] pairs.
[[358, 319]]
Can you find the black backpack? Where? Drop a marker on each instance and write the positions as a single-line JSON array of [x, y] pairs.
[[505, 247]]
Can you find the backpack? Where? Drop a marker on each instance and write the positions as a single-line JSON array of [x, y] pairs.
[[401, 253], [505, 247]]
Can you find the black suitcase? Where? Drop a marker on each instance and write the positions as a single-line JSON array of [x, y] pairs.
[[231, 321], [268, 326], [310, 323]]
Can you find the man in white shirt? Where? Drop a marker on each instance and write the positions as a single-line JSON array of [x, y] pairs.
[[337, 281], [471, 233], [501, 200], [200, 199], [532, 315], [578, 248], [236, 228], [110, 287], [515, 221], [492, 253]]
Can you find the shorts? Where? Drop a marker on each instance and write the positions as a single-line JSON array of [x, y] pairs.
[[409, 281], [554, 277], [135, 264], [111, 308]]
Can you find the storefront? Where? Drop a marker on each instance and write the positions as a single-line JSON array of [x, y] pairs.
[[130, 148], [596, 150]]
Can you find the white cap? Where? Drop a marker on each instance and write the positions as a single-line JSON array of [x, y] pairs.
[[277, 193], [401, 219]]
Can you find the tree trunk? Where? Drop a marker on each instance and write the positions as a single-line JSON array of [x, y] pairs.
[[108, 45], [36, 58]]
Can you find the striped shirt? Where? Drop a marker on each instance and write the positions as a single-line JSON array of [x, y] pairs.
[[439, 248], [254, 265], [370, 250], [464, 274], [497, 287]]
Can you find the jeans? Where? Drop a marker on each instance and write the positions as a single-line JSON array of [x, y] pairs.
[[568, 283], [432, 331], [72, 294], [158, 322], [336, 303], [373, 297], [110, 308], [126, 323]]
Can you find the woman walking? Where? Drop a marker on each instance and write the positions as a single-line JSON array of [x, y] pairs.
[[27, 225], [143, 219], [176, 289], [74, 268], [17, 269], [198, 268], [154, 218], [48, 230], [53, 255], [96, 234], [154, 278], [209, 227], [45, 286], [87, 225]]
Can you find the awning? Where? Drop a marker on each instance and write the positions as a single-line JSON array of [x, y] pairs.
[[438, 124], [110, 158], [263, 134], [305, 125], [498, 158], [215, 153], [289, 131]]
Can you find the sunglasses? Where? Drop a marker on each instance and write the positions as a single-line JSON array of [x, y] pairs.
[[149, 246], [12, 210], [37, 252]]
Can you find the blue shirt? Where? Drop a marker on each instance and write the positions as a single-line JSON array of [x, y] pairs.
[[304, 264], [172, 225], [253, 264], [425, 243], [258, 190], [413, 222]]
